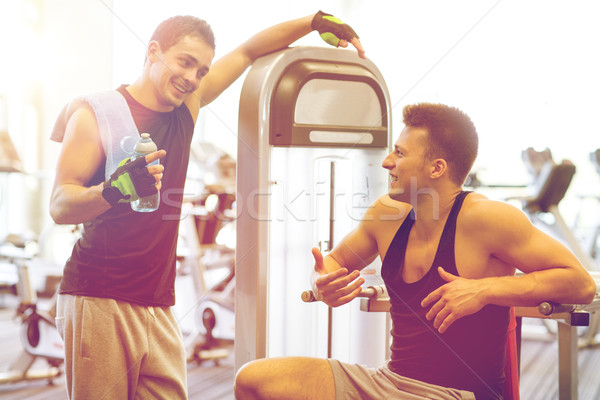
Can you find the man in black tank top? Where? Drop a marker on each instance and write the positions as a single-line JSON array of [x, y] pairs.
[[449, 260], [113, 310]]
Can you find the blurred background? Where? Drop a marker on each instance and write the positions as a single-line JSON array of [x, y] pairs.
[[527, 73]]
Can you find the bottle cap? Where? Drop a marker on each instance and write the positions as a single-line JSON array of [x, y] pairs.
[[145, 145]]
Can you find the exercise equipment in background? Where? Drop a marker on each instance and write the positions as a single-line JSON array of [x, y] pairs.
[[205, 283], [551, 181], [39, 336], [587, 220]]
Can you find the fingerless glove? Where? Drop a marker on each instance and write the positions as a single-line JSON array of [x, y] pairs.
[[130, 181], [332, 29]]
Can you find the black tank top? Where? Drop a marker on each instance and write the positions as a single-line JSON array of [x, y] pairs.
[[126, 255], [471, 354]]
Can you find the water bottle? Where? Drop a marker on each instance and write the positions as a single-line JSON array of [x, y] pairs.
[[144, 146]]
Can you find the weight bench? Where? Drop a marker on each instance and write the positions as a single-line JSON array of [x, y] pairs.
[[568, 317]]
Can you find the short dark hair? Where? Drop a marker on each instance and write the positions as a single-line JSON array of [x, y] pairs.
[[452, 136], [171, 30]]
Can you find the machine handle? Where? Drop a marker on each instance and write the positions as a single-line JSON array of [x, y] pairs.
[[545, 308], [548, 308], [372, 291]]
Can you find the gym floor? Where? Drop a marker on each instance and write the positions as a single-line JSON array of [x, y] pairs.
[[207, 381]]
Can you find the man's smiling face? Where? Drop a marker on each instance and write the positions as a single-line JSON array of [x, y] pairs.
[[177, 72]]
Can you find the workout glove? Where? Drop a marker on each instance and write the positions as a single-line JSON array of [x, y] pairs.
[[130, 181], [332, 29]]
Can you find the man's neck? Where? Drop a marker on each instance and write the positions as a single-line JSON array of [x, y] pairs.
[[432, 210], [144, 94]]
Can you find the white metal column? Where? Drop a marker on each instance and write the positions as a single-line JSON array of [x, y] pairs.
[[314, 127]]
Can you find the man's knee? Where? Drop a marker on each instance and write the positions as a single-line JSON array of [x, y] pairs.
[[246, 381], [286, 377]]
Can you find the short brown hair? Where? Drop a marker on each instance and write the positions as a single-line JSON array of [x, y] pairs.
[[452, 136], [171, 30]]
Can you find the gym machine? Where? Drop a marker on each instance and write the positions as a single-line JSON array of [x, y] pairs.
[[39, 336], [314, 126]]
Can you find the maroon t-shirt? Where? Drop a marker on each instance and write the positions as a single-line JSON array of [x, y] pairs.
[[127, 255]]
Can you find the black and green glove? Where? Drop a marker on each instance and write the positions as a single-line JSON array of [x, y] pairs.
[[332, 29], [130, 181]]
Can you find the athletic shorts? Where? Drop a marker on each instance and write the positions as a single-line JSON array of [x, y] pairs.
[[357, 382]]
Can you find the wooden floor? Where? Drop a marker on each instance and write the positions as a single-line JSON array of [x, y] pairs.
[[539, 370], [206, 381]]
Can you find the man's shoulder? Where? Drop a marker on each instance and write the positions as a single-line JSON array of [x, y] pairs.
[[386, 209], [90, 101], [481, 213], [384, 217], [478, 203]]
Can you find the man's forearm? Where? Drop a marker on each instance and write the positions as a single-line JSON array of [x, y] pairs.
[[232, 65], [277, 37], [74, 204], [560, 285], [460, 297]]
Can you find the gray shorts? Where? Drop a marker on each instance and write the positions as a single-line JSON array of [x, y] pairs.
[[357, 382]]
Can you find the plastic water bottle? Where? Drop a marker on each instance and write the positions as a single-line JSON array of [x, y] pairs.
[[143, 147]]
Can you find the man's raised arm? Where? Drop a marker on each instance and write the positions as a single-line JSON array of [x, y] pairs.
[[229, 67]]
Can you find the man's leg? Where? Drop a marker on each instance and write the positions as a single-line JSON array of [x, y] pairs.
[[164, 371], [104, 345], [285, 378]]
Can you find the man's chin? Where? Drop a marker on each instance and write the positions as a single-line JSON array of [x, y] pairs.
[[176, 101], [176, 98], [397, 195]]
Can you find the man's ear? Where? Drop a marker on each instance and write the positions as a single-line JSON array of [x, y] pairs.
[[153, 51], [438, 168]]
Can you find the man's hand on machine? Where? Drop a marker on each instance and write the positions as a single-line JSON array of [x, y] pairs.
[[134, 179], [336, 288], [336, 33], [456, 299]]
